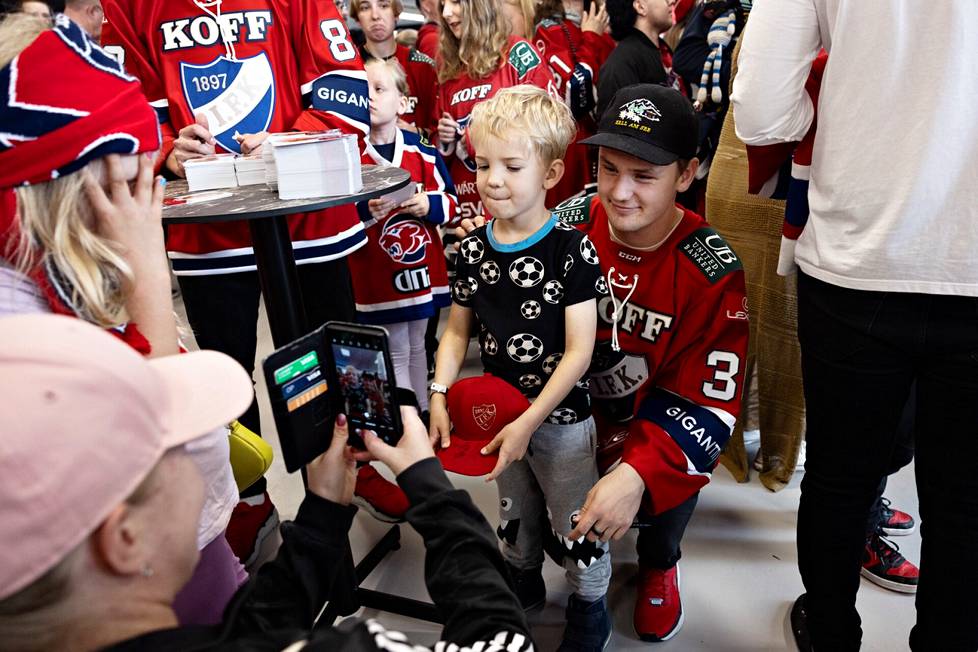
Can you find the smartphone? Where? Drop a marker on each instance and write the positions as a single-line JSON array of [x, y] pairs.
[[297, 379], [363, 375]]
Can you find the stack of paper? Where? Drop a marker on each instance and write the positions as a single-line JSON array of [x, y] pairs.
[[211, 172], [307, 164], [250, 169]]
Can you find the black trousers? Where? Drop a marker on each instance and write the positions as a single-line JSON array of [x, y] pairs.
[[223, 314], [659, 536], [902, 455], [862, 352]]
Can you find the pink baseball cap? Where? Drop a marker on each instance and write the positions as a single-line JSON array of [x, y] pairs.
[[85, 419]]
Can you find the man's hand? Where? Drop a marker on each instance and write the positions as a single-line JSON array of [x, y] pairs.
[[467, 226], [512, 442], [333, 474], [611, 506], [379, 208], [440, 424], [417, 206], [447, 129], [411, 449], [251, 143], [193, 141]]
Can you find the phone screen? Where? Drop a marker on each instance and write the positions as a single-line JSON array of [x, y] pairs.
[[362, 376], [301, 380]]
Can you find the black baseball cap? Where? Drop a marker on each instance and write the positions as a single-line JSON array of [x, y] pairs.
[[651, 122]]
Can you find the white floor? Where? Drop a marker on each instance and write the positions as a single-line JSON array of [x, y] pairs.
[[739, 573]]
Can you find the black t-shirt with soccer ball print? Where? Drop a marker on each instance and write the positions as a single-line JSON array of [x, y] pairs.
[[518, 293]]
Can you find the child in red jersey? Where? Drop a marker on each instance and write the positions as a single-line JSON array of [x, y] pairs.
[[399, 277]]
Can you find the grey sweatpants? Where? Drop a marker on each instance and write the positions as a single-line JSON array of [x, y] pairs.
[[539, 494]]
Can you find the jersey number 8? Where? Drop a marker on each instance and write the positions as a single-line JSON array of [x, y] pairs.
[[339, 44]]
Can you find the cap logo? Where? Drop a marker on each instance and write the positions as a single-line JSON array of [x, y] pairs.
[[638, 114], [484, 415]]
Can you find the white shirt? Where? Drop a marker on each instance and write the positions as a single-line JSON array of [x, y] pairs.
[[894, 176]]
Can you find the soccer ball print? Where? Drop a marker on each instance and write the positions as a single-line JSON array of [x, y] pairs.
[[465, 288], [529, 381], [490, 272], [562, 417], [531, 309], [472, 250], [524, 347], [489, 345], [588, 252], [553, 292], [551, 361], [526, 271]]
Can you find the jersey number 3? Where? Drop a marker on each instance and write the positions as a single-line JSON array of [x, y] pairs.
[[723, 387], [339, 45]]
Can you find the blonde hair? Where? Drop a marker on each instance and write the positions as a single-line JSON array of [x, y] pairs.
[[355, 8], [57, 222], [531, 112], [529, 10], [485, 34], [398, 75]]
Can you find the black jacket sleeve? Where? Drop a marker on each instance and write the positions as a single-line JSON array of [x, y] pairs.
[[464, 572]]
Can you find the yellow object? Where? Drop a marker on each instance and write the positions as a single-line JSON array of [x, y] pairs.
[[250, 455]]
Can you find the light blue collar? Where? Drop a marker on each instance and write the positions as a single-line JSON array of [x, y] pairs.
[[540, 234]]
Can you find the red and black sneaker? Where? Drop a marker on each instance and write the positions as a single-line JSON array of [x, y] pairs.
[[893, 522], [884, 565], [383, 499], [252, 531], [658, 605]]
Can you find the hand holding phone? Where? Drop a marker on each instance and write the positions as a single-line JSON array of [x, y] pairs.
[[410, 449]]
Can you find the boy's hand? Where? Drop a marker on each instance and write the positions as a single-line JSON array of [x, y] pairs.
[[379, 208], [411, 449], [251, 143], [417, 206], [440, 423], [333, 474], [447, 129], [512, 442], [467, 226], [193, 141]]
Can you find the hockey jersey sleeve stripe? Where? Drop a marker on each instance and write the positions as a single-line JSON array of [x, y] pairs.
[[699, 431]]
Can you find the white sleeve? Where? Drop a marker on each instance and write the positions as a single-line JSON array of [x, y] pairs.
[[780, 42]]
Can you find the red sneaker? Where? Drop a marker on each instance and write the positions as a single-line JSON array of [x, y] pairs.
[[884, 565], [383, 499], [894, 522], [658, 606], [252, 529]]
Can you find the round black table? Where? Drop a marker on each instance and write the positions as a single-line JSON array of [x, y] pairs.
[[265, 214]]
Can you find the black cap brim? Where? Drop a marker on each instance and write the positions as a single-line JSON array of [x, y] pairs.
[[633, 146]]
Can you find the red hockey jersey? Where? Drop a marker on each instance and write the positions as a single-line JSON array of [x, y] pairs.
[[428, 39], [400, 274], [248, 66], [679, 314], [520, 64], [574, 57]]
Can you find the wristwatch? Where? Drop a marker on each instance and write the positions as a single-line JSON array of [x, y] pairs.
[[437, 388]]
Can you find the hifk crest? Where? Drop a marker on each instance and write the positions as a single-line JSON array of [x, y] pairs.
[[236, 96], [405, 240], [484, 415]]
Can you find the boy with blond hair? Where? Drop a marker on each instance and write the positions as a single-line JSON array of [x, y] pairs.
[[531, 282]]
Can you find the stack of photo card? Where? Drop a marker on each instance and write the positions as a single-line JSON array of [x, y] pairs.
[[211, 172], [312, 164], [250, 169]]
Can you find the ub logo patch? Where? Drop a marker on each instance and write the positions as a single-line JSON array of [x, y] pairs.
[[237, 97], [405, 240], [484, 415]]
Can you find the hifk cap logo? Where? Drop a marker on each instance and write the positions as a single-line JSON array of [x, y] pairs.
[[404, 240], [641, 111], [484, 415]]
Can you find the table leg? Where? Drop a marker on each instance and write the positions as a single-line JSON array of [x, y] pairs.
[[279, 279]]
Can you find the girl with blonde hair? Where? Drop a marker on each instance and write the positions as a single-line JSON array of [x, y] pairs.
[[81, 233], [477, 58]]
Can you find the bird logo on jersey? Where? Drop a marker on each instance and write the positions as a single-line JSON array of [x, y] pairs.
[[236, 96], [404, 239], [639, 110]]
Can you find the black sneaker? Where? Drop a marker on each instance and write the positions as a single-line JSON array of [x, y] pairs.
[[529, 587], [799, 625], [884, 565], [588, 625], [894, 522]]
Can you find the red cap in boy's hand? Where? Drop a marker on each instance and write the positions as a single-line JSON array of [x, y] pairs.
[[480, 408]]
